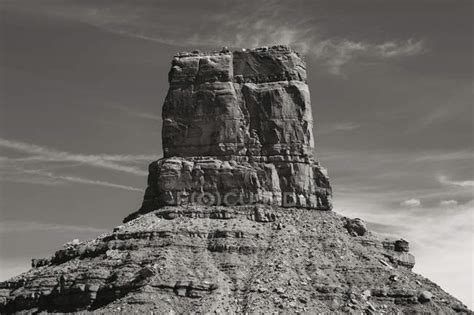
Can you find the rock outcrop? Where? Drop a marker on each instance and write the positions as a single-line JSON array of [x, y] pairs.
[[229, 223], [217, 259], [238, 129], [250, 102]]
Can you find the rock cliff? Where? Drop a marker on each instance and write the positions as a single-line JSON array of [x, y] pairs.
[[238, 129], [231, 220]]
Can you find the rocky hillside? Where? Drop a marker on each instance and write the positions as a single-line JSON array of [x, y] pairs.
[[254, 259], [236, 216]]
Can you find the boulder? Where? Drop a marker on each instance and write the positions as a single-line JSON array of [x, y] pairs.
[[261, 214], [425, 297], [401, 246], [403, 259], [39, 262], [355, 227]]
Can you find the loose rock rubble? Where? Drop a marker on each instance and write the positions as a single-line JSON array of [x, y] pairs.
[[221, 259]]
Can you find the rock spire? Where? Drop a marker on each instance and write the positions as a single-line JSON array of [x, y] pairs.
[[227, 225], [238, 129]]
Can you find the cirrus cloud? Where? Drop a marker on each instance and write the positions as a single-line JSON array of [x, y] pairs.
[[413, 202], [461, 183], [252, 25], [448, 203]]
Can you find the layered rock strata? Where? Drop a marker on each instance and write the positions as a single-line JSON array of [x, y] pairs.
[[229, 260], [226, 225], [238, 129]]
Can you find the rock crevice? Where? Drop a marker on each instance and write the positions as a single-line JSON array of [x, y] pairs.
[[238, 129]]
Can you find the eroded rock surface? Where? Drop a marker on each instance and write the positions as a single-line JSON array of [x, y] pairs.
[[241, 259], [238, 129], [250, 102], [227, 224]]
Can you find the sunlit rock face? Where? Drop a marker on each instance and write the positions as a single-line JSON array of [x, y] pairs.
[[238, 129]]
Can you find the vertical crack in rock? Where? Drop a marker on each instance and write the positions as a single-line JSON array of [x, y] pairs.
[[238, 129]]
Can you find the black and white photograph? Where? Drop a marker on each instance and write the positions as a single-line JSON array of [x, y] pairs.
[[236, 157]]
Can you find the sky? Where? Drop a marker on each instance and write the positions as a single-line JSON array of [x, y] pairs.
[[83, 82]]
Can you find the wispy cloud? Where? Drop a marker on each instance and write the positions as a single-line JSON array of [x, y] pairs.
[[411, 203], [36, 168], [448, 203], [337, 53], [146, 116], [433, 116], [333, 53], [429, 234], [339, 127], [252, 25], [45, 154], [463, 183], [134, 113], [80, 180], [12, 226], [446, 156], [393, 49], [248, 32]]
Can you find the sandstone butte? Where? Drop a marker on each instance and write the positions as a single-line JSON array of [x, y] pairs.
[[236, 217]]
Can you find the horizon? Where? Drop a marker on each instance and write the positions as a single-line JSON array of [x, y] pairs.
[[391, 90]]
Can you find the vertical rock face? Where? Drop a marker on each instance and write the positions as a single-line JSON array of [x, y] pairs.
[[244, 103], [238, 129]]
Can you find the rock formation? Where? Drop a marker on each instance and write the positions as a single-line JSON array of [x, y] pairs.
[[230, 220], [238, 129]]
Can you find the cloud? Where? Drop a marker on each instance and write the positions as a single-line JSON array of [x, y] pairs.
[[448, 203], [339, 127], [466, 183], [337, 53], [79, 180], [44, 154], [431, 235], [394, 49], [438, 114], [231, 25], [146, 116], [448, 156], [254, 32], [333, 53], [12, 226], [44, 159], [134, 113], [411, 203]]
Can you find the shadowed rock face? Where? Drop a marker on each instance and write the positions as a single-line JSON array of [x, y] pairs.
[[238, 129]]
